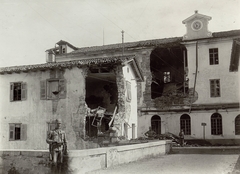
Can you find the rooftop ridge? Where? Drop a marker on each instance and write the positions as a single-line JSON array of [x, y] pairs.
[[65, 64], [151, 42]]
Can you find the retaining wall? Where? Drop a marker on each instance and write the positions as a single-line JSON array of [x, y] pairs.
[[79, 161]]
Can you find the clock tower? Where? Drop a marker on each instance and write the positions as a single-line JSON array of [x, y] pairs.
[[197, 27]]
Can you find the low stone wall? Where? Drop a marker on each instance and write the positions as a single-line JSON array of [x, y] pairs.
[[206, 150], [79, 161]]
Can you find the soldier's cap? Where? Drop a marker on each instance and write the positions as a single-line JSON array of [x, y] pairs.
[[58, 121]]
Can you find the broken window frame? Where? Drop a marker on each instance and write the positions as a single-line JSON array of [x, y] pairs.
[[45, 86], [19, 94], [213, 56], [215, 88], [216, 124]]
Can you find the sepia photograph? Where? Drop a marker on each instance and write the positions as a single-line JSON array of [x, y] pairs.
[[119, 87]]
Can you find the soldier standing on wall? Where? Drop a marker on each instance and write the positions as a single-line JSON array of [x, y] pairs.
[[58, 144]]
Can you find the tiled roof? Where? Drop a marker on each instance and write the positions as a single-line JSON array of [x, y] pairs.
[[226, 34], [174, 41], [147, 43], [67, 64]]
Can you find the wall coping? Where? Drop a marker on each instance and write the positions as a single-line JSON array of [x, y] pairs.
[[103, 150], [84, 152], [209, 147]]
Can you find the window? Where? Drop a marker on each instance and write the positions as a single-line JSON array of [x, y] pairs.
[[237, 125], [63, 49], [53, 89], [216, 124], [17, 131], [18, 91], [156, 124], [185, 124], [215, 88], [129, 95], [166, 77], [213, 56]]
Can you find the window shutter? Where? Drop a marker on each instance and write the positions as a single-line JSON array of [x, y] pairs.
[[24, 91], [11, 131], [23, 132], [11, 91], [43, 90], [62, 88]]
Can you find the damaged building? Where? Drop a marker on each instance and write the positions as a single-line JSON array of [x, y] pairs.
[[89, 95], [190, 83]]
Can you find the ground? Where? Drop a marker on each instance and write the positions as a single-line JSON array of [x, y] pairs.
[[179, 164]]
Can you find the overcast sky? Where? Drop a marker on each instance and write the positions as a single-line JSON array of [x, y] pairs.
[[29, 28]]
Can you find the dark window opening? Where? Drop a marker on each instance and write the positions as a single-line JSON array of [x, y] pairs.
[[216, 124], [156, 124], [185, 124], [17, 88], [18, 91], [15, 131], [168, 68], [213, 56], [64, 50]]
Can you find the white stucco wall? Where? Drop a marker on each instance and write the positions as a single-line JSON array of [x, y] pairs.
[[229, 81], [129, 76], [170, 122], [35, 112]]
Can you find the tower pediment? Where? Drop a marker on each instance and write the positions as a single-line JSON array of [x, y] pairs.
[[197, 26]]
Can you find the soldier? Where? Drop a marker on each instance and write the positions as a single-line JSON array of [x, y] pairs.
[[181, 137], [57, 142]]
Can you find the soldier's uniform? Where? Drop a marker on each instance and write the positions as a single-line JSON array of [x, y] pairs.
[[181, 137], [57, 144]]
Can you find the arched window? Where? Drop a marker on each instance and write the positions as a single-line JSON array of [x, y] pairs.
[[185, 124], [237, 125], [156, 124], [216, 124]]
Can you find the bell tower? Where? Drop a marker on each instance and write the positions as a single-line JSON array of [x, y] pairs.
[[197, 26]]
